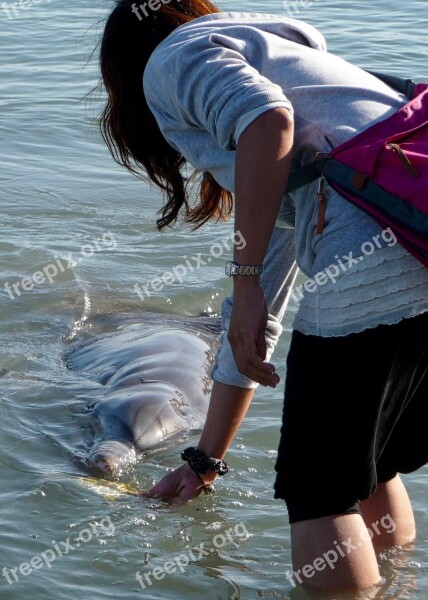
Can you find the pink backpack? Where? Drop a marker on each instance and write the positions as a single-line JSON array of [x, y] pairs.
[[383, 170]]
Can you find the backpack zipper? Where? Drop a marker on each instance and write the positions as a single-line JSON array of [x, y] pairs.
[[404, 159]]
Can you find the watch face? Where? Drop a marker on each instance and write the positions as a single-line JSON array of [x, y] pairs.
[[232, 268]]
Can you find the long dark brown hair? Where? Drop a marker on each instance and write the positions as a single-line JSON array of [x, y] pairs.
[[127, 125]]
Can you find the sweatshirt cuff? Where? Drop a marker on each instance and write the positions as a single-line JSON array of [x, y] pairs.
[[225, 369]]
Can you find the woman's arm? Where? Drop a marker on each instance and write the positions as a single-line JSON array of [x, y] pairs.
[[263, 158], [228, 405], [279, 273]]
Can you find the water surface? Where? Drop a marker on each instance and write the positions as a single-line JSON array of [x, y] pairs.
[[61, 193]]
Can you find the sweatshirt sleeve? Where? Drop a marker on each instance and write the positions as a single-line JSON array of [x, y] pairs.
[[277, 280], [206, 83]]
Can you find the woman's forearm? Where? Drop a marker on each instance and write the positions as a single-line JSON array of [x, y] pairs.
[[227, 408], [263, 159]]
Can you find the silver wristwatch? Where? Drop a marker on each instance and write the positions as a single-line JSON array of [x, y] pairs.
[[233, 268]]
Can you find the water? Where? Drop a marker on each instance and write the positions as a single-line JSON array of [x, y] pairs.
[[60, 194]]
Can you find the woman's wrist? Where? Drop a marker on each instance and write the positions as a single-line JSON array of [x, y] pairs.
[[205, 478], [204, 464], [245, 281]]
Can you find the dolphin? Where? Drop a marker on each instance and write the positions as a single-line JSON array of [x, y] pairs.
[[156, 384], [154, 369]]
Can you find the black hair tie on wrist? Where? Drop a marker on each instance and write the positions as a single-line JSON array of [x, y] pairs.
[[201, 463]]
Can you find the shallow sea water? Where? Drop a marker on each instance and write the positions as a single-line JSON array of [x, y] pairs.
[[61, 193]]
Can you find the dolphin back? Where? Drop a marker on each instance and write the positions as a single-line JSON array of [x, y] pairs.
[[155, 377]]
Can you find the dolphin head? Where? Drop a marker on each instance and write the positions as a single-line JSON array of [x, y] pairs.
[[111, 456]]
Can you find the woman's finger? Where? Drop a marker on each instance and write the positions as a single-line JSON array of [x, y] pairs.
[[251, 364]]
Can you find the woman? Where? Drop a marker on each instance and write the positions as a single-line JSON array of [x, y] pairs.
[[246, 98]]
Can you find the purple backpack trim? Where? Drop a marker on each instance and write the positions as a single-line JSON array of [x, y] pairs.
[[384, 171]]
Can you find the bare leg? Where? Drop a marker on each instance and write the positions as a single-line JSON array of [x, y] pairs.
[[334, 552], [388, 514]]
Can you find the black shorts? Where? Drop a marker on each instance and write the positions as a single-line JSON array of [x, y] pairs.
[[355, 414]]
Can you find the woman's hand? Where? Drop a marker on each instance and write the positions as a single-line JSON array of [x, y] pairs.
[[180, 485], [262, 165], [247, 331]]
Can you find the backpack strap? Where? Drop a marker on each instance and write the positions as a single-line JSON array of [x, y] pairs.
[[403, 86], [304, 175], [311, 171]]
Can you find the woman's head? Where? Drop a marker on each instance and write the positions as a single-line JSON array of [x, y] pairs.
[[132, 32]]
